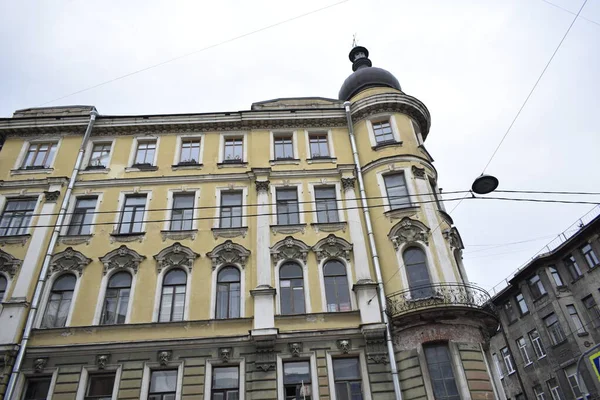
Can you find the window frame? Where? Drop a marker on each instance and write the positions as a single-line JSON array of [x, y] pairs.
[[539, 290], [522, 345], [222, 145], [366, 384], [390, 203], [149, 367], [576, 319], [521, 303], [451, 361], [555, 391], [304, 356], [23, 230], [181, 139], [93, 375], [229, 291], [73, 212], [498, 366], [87, 165], [46, 165], [572, 267], [173, 293], [211, 364], [580, 385], [102, 294], [286, 204], [118, 297], [158, 292], [509, 362], [86, 371], [555, 274], [324, 285], [48, 292], [299, 195], [309, 133], [6, 287], [291, 297], [132, 165], [336, 200], [293, 146], [592, 261], [241, 206], [121, 213], [509, 311], [173, 195], [539, 394], [396, 139], [537, 344], [31, 375], [592, 308], [554, 329]]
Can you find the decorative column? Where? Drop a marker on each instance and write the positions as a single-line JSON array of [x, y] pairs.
[[264, 293], [365, 288]]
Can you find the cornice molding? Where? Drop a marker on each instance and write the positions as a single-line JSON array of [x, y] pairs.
[[401, 158]]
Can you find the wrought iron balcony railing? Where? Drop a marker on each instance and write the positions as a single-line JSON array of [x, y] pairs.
[[439, 295]]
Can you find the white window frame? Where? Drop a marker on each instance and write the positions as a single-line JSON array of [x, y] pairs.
[[171, 193], [158, 293], [554, 390], [309, 132], [218, 191], [498, 365], [102, 294], [8, 286], [307, 306], [151, 366], [213, 290], [364, 372], [18, 166], [24, 377], [222, 138], [383, 189], [537, 340], [88, 154], [181, 139], [71, 207], [508, 361], [212, 363], [312, 186], [539, 396], [298, 186], [576, 320], [86, 371], [523, 351], [134, 147], [48, 288], [305, 356], [382, 118], [4, 198], [580, 383], [121, 204], [349, 276], [294, 135]]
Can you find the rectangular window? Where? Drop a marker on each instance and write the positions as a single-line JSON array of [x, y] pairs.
[[498, 365], [326, 205], [348, 383], [510, 312], [572, 267], [439, 365], [163, 385], [590, 256], [231, 209], [82, 216], [575, 319], [383, 132], [37, 388], [319, 145], [556, 276], [522, 304], [146, 149], [554, 329], [99, 157], [287, 206], [190, 152], [536, 287], [283, 144], [234, 150], [397, 192], [16, 216], [182, 215], [225, 383], [39, 155], [132, 216], [593, 311], [536, 342], [539, 392], [296, 380], [522, 344], [100, 387], [508, 362], [554, 389], [579, 390]]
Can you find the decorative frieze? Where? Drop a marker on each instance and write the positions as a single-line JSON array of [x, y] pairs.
[[376, 345], [175, 255], [408, 231], [75, 240], [266, 358], [14, 239], [332, 247], [329, 226], [288, 229], [122, 258], [9, 264], [229, 253], [289, 249], [230, 233], [179, 235], [68, 260], [126, 238]]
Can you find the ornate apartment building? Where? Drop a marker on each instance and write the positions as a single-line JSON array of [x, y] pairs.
[[298, 250], [550, 317]]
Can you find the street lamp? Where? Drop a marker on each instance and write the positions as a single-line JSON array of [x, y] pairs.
[[484, 184]]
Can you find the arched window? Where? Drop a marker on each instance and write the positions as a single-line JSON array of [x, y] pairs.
[[59, 302], [336, 286], [417, 273], [116, 299], [228, 293], [3, 286], [172, 301], [291, 288]]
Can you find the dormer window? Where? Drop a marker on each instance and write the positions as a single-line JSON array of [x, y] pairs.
[[234, 150]]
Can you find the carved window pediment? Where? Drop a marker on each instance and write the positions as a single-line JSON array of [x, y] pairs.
[[407, 231], [176, 255], [122, 258], [9, 264], [332, 247], [289, 249], [68, 260], [229, 253]]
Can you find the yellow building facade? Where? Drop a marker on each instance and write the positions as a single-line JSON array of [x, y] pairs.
[[295, 250]]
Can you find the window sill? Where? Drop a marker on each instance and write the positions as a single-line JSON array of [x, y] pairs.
[[15, 239], [544, 296], [511, 373], [74, 239], [285, 161], [542, 357], [236, 164], [186, 166], [401, 212], [321, 160], [554, 346], [31, 171], [127, 237], [583, 334], [329, 226], [525, 314], [141, 168], [179, 235], [383, 145], [288, 229], [580, 277], [93, 170], [230, 232], [528, 364]]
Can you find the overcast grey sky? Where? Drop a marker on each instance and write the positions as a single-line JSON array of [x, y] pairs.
[[471, 62]]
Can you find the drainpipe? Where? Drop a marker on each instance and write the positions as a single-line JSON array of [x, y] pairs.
[[39, 287], [380, 289]]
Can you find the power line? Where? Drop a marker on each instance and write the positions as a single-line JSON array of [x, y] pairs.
[[570, 12], [548, 192], [195, 52], [540, 200], [534, 87], [493, 245]]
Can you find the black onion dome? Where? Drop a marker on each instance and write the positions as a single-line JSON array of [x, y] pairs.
[[365, 76]]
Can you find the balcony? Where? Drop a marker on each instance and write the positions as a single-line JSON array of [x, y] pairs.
[[442, 300]]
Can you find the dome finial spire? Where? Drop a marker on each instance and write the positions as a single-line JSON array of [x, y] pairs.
[[360, 58]]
